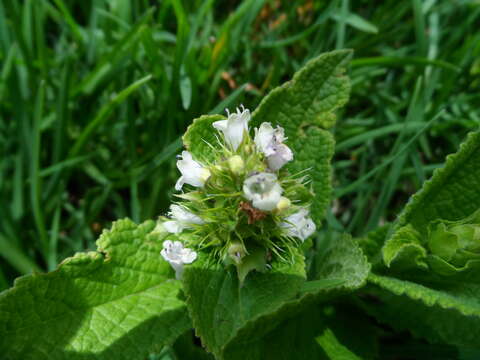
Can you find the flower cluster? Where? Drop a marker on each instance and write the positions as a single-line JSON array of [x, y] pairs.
[[239, 199]]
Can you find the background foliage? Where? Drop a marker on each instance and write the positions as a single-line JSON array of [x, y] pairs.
[[94, 97]]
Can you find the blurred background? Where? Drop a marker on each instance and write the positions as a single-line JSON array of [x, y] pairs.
[[94, 96]]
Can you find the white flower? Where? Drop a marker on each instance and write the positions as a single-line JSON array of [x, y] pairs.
[[177, 256], [193, 173], [263, 190], [181, 219], [299, 225], [270, 141], [234, 127]]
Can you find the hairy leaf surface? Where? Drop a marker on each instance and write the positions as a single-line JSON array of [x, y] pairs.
[[201, 136], [442, 313], [451, 194], [236, 321], [305, 107], [116, 303]]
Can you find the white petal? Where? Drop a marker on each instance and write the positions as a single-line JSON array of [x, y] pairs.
[[181, 214], [179, 183], [220, 125], [193, 173], [188, 256], [308, 229], [174, 227], [267, 203], [264, 138], [299, 225], [177, 256], [281, 156], [234, 127], [263, 190]]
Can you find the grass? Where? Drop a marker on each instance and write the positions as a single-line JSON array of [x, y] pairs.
[[94, 96]]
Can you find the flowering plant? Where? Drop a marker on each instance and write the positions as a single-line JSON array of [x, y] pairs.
[[243, 206], [237, 268]]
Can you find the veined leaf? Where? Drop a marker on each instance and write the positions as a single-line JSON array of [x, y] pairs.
[[443, 313], [450, 195], [116, 303], [305, 107], [310, 98], [201, 136], [220, 307], [236, 322], [452, 192], [372, 244]]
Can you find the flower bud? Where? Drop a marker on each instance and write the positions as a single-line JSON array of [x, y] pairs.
[[236, 164], [283, 204], [236, 251]]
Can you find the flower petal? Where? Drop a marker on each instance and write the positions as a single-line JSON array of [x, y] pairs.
[[234, 127]]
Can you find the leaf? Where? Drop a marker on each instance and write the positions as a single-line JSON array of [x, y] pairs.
[[116, 303], [314, 151], [451, 194], [235, 320], [342, 258], [358, 22], [353, 329], [293, 339], [334, 349], [220, 307], [405, 249], [297, 337], [310, 98], [372, 244], [442, 313], [185, 347], [201, 136], [305, 107]]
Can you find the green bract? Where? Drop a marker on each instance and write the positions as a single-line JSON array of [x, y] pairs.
[[454, 244], [438, 230]]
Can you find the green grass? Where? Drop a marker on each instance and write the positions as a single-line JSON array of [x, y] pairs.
[[94, 96]]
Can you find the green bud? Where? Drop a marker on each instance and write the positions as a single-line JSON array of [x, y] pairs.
[[456, 242], [236, 251], [283, 204], [236, 164]]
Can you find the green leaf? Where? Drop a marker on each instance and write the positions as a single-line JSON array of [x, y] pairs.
[[405, 249], [334, 349], [116, 303], [233, 319], [305, 107], [310, 98], [452, 192], [353, 330], [220, 307], [297, 337], [313, 151], [342, 258], [186, 348], [372, 244], [292, 339], [442, 313], [201, 136], [450, 195]]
